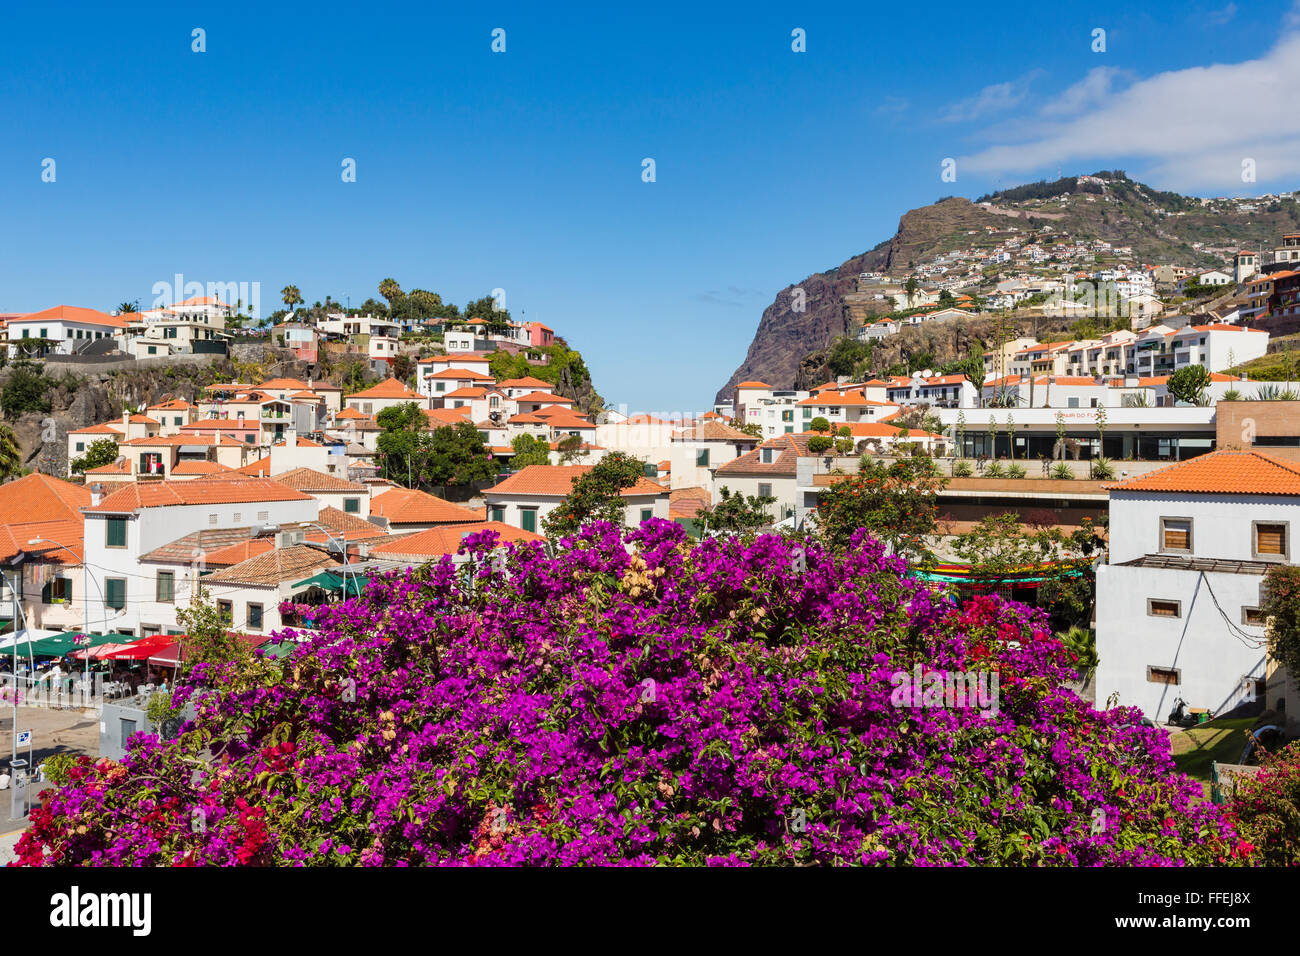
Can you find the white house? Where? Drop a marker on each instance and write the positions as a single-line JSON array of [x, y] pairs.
[[71, 327], [529, 495], [139, 518], [1178, 601]]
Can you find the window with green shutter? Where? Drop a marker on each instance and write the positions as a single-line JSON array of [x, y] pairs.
[[498, 514], [528, 519], [702, 458], [787, 415], [647, 514], [115, 533], [255, 616], [166, 589], [352, 505], [115, 593]]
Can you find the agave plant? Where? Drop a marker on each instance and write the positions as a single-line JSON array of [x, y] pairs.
[[995, 470], [1062, 471], [1102, 469], [1017, 470], [962, 469]]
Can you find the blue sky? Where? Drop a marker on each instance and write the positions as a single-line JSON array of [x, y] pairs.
[[522, 170]]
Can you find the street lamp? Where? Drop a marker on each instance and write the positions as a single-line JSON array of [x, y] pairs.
[[85, 603], [18, 611]]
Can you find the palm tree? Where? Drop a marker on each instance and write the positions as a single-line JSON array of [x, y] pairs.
[[125, 307], [291, 296], [11, 456]]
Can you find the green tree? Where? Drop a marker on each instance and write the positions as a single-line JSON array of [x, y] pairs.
[[291, 296], [529, 450], [25, 390], [102, 451], [392, 293], [126, 308], [820, 443], [11, 456], [209, 638], [1281, 610], [1188, 384], [570, 449], [820, 425], [897, 503], [736, 513], [596, 495], [457, 456]]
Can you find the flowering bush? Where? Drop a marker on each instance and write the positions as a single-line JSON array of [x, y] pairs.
[[1267, 809], [637, 700]]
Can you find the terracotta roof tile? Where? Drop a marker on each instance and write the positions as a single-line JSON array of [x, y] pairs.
[[309, 480], [279, 565], [446, 539], [1226, 472], [163, 494], [557, 481], [389, 388], [407, 506]]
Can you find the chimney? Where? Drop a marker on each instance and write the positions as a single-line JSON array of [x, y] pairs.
[[96, 494], [126, 419]]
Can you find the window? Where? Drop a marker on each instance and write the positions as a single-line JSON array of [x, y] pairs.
[[702, 458], [1270, 540], [1157, 607], [237, 517], [352, 506], [647, 514], [368, 407], [528, 519], [81, 446], [115, 593], [765, 491], [165, 591], [115, 533], [263, 515], [212, 521], [807, 413], [255, 616], [226, 610], [1175, 534], [789, 429], [1252, 616], [1164, 675], [767, 455], [787, 415], [439, 386], [128, 728], [57, 591], [1073, 403], [498, 514]]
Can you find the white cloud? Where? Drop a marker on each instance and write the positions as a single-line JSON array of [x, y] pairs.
[[1088, 92], [1194, 126], [997, 98]]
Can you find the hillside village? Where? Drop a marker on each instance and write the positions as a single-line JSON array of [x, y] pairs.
[[275, 494]]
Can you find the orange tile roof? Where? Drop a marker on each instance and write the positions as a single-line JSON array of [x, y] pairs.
[[389, 388], [171, 405], [354, 526], [163, 494], [790, 448], [1228, 471], [456, 373], [309, 480], [453, 357], [72, 313], [299, 442], [407, 506], [753, 384], [276, 566], [446, 416], [524, 418], [37, 494], [122, 467], [544, 397], [446, 539], [199, 468], [104, 428], [686, 502], [713, 431], [557, 481], [468, 391], [351, 413], [526, 382], [260, 468], [61, 537], [569, 421]]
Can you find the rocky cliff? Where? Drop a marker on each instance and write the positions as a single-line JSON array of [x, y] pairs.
[[1159, 227]]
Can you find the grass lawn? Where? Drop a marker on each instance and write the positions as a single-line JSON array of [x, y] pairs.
[[1219, 740]]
